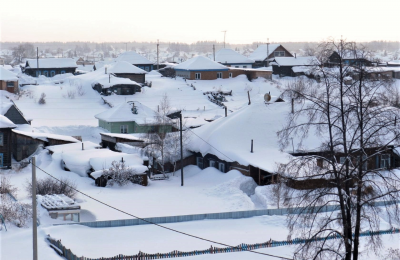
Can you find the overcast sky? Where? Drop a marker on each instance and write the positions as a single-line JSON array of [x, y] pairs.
[[190, 21]]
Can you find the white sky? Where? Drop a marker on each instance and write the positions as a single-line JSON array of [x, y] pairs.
[[190, 21]]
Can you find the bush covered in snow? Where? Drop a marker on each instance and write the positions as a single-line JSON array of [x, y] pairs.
[[42, 99], [49, 186], [121, 174]]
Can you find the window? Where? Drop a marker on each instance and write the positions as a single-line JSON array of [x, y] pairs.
[[385, 161], [221, 167], [46, 73], [279, 54], [52, 73], [124, 129], [197, 76], [244, 66], [38, 73], [10, 84], [212, 163], [1, 160], [342, 160], [199, 162], [219, 75], [236, 66], [365, 162], [230, 75], [146, 68], [63, 72], [1, 139]]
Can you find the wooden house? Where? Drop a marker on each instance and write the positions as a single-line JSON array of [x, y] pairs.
[[231, 58], [49, 67], [286, 66], [350, 58], [202, 68], [123, 69], [265, 52], [6, 127], [107, 84], [110, 140], [130, 118], [8, 81], [24, 143], [136, 59]]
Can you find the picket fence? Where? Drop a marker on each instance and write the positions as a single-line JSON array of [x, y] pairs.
[[59, 248]]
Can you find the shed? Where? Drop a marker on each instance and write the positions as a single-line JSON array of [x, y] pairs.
[[106, 84], [124, 69], [283, 66], [49, 67], [8, 81]]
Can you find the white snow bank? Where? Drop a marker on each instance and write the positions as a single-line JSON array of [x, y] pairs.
[[131, 160], [6, 123], [46, 136], [7, 75], [87, 145]]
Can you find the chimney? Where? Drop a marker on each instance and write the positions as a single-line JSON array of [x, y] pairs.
[[37, 56], [295, 56], [251, 146], [82, 146]]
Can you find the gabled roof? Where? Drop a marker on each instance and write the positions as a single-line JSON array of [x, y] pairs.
[[6, 123], [229, 56], [200, 63], [7, 75], [263, 51], [124, 113], [298, 61], [51, 63], [124, 67], [133, 58]]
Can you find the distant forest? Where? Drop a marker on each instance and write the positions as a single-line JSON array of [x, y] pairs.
[[200, 46]]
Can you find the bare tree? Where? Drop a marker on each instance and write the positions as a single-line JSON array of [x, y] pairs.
[[22, 51], [121, 174], [356, 126]]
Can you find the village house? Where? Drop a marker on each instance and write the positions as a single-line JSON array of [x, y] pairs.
[[351, 58], [131, 117], [136, 59], [202, 68], [266, 52], [49, 67], [108, 84], [8, 81], [123, 69], [231, 58], [6, 127], [110, 140], [293, 66]]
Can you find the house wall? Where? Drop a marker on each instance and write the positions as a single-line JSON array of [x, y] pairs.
[[183, 74], [133, 127], [3, 86], [33, 72], [24, 146], [239, 65], [139, 78], [6, 148], [146, 67]]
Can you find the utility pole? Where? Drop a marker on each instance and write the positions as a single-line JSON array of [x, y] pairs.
[[158, 63], [180, 121], [34, 213], [37, 56], [214, 51], [126, 47], [224, 37]]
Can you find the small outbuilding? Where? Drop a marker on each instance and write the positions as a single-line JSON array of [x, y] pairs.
[[123, 69], [231, 58], [287, 66], [60, 207], [6, 127], [49, 67], [201, 68]]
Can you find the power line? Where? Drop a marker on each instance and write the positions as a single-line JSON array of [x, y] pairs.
[[167, 228]]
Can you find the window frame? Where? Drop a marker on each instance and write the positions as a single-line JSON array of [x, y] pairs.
[[123, 128], [230, 75], [219, 75], [197, 75], [200, 162], [212, 163], [279, 53], [46, 73], [221, 167], [1, 139], [10, 84], [386, 160]]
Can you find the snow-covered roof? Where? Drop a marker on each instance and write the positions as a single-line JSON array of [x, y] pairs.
[[107, 81], [51, 63], [131, 160], [131, 137], [133, 58], [123, 67], [230, 56], [123, 113], [263, 51], [200, 63], [6, 123], [7, 75], [298, 61], [231, 136], [87, 145], [45, 136], [57, 202], [394, 62], [253, 69]]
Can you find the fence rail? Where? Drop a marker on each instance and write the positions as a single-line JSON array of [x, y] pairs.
[[67, 253], [223, 215]]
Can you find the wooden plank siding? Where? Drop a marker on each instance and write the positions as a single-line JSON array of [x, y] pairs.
[[3, 86], [6, 148], [139, 78]]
